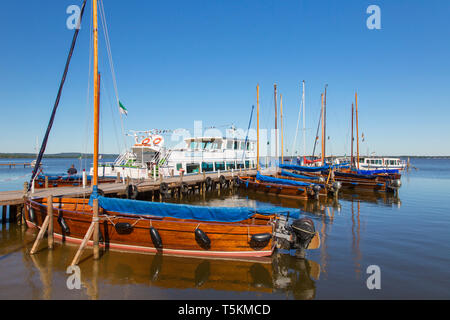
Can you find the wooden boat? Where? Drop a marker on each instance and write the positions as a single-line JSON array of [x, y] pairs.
[[306, 191], [348, 178], [130, 232], [329, 188], [56, 181]]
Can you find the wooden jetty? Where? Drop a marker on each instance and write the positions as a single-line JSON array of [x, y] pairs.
[[13, 164]]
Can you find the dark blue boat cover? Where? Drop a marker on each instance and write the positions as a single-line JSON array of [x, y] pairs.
[[312, 169], [369, 172], [293, 175], [52, 177], [268, 179], [182, 211]]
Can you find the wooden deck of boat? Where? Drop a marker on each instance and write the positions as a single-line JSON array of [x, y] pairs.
[[16, 197]]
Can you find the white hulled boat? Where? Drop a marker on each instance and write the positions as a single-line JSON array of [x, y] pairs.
[[149, 158]]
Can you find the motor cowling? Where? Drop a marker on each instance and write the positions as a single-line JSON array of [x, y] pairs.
[[303, 230]]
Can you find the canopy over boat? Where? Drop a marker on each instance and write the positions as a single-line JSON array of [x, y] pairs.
[[190, 212], [371, 172], [293, 175], [268, 179], [312, 169]]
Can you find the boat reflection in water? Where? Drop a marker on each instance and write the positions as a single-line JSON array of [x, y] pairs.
[[117, 272]]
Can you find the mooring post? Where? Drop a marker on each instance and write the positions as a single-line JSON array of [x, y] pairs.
[[50, 237], [118, 177], [96, 230], [12, 213], [84, 177], [46, 182], [4, 215]]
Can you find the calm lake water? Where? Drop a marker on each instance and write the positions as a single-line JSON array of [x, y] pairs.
[[407, 237]]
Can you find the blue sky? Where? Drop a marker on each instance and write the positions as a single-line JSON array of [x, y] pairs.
[[181, 61]]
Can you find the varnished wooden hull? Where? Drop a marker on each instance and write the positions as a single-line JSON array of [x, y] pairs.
[[278, 189], [40, 183], [377, 184], [178, 238]]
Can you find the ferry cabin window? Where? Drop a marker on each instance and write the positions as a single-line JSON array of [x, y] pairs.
[[207, 145], [217, 145], [230, 145], [230, 165], [240, 165], [236, 145], [192, 168], [243, 145], [207, 166], [179, 166], [193, 145], [247, 164], [220, 165]]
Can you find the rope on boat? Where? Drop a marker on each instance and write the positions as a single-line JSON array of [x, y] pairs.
[[58, 96]]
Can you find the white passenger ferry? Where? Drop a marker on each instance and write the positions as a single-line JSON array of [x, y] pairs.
[[376, 163], [148, 158]]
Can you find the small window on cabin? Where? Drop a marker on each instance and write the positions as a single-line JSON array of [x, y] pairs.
[[242, 145], [220, 166], [179, 166], [230, 145], [193, 145], [236, 145]]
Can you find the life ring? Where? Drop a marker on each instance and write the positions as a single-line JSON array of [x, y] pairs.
[[157, 141], [146, 141]]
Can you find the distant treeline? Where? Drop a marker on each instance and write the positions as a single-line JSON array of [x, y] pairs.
[[56, 155]]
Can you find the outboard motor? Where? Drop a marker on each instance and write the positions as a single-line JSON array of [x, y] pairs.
[[335, 187], [395, 184], [297, 235], [303, 231], [314, 191]]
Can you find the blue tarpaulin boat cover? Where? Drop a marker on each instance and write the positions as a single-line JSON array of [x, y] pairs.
[[52, 177], [293, 175], [312, 169], [268, 179], [181, 211], [369, 172]]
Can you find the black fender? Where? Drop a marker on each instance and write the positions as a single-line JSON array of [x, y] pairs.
[[123, 228], [202, 239], [63, 224], [156, 238], [131, 191]]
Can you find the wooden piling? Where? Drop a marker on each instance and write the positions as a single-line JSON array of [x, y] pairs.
[[118, 177], [46, 182], [96, 230], [4, 215], [40, 235], [12, 213], [50, 237]]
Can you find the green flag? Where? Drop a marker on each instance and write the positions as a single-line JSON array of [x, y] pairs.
[[122, 109]]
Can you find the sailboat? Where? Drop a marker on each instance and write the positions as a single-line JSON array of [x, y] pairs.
[[152, 227]]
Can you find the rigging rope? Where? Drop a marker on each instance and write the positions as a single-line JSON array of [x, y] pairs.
[[58, 97]]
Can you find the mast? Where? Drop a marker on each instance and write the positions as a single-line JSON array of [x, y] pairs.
[[325, 122], [257, 127], [281, 120], [357, 136], [352, 163], [276, 121], [304, 121], [323, 131], [96, 101]]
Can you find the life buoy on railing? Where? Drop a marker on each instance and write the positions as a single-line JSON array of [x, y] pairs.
[[157, 141], [146, 141]]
